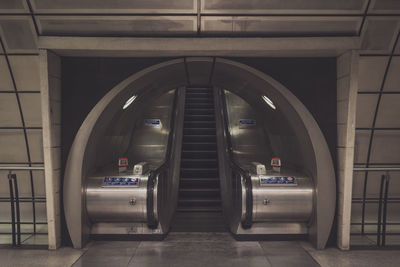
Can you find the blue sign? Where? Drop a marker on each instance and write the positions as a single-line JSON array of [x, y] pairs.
[[246, 123], [277, 180], [153, 122], [121, 181]]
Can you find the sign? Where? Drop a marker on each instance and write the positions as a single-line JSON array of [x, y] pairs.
[[122, 164], [277, 180], [121, 181], [276, 164], [246, 123], [155, 123]]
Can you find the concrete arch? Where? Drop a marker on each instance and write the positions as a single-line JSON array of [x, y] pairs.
[[241, 79]]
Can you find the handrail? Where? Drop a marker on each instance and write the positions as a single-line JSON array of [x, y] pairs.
[[151, 218], [247, 222], [17, 168]]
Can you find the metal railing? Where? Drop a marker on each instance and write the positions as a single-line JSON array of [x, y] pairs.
[[14, 199], [383, 200]]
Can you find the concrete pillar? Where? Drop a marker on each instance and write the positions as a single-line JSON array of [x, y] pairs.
[[347, 85], [50, 90]]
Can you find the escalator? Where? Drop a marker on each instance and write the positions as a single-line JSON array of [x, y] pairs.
[[199, 202]]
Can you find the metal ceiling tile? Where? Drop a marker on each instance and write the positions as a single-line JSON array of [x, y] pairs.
[[13, 6], [18, 34], [26, 72], [283, 7], [5, 77], [116, 25], [361, 145], [384, 7], [112, 6], [392, 82], [388, 113], [370, 72], [366, 105], [281, 26], [12, 145], [379, 34], [9, 113], [386, 147]]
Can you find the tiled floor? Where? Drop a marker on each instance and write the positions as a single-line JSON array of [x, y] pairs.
[[197, 249]]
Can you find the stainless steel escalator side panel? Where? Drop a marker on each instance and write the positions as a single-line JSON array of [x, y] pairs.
[[117, 203], [283, 203]]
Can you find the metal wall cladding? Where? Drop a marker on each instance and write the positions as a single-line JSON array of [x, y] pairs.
[[8, 6], [281, 25], [112, 6], [385, 6], [283, 7], [117, 25], [149, 143], [248, 141]]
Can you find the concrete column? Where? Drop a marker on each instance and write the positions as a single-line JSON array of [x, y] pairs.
[[50, 90], [347, 85]]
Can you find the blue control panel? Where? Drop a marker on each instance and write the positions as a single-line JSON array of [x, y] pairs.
[[121, 181], [277, 180]]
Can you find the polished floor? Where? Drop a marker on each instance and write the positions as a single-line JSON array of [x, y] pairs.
[[197, 249]]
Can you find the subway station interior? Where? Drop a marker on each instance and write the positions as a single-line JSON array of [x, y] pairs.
[[199, 133]]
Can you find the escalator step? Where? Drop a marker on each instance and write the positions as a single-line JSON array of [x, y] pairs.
[[199, 200]]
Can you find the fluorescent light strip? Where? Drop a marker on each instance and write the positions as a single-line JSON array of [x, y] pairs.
[[268, 101], [129, 101]]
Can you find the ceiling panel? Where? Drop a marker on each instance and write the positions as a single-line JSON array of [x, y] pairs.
[[18, 33], [13, 6], [26, 72], [392, 82], [361, 146], [397, 49], [380, 34], [116, 25], [12, 145], [35, 139], [9, 112], [279, 26], [370, 72], [5, 77], [114, 6], [31, 109], [283, 7], [366, 105], [389, 111], [384, 7], [386, 147]]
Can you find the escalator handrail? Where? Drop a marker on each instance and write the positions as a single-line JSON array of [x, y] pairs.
[[152, 222], [247, 222]]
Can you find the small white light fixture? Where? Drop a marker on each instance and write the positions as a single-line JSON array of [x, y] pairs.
[[268, 101], [129, 101]]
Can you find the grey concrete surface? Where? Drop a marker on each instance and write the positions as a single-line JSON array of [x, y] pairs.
[[198, 249]]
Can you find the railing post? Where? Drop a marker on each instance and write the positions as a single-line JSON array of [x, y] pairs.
[[14, 177], [378, 234], [385, 202], [10, 182]]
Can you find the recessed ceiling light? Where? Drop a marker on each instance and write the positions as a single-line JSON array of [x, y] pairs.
[[268, 101], [129, 101]]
